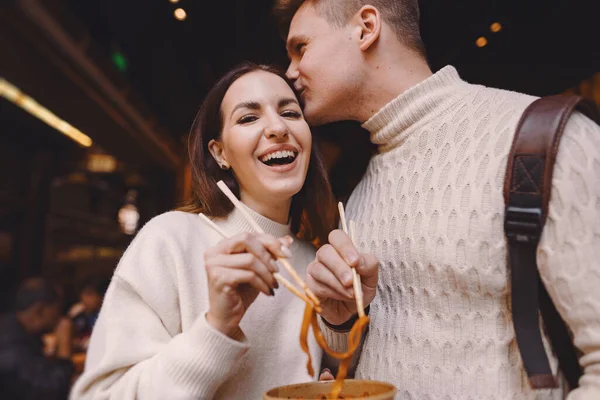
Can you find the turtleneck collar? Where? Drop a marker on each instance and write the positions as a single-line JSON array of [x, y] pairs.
[[424, 101], [236, 223]]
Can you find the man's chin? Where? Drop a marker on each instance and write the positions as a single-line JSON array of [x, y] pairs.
[[316, 116]]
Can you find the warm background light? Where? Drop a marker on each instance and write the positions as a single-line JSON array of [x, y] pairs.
[[174, 1], [180, 14], [101, 163], [481, 42], [14, 95], [496, 27]]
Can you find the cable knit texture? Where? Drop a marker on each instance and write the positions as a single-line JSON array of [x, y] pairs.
[[152, 340], [430, 207]]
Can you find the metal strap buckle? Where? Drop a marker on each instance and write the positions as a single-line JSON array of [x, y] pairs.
[[523, 224]]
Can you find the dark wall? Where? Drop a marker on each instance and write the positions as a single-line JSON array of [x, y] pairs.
[[56, 218], [29, 152]]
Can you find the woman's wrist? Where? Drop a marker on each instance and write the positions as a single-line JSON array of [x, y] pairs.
[[231, 330]]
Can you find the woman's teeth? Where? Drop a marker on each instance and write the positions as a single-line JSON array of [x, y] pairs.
[[279, 155]]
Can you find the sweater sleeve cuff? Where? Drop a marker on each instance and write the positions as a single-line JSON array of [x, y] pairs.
[[204, 358], [346, 326], [337, 341]]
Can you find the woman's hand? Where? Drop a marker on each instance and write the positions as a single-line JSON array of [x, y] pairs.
[[238, 269]]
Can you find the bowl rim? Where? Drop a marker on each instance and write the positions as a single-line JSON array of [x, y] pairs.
[[382, 396]]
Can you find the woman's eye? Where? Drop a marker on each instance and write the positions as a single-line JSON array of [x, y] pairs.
[[247, 119], [291, 114]]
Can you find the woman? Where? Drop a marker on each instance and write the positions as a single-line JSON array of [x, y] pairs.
[[184, 317]]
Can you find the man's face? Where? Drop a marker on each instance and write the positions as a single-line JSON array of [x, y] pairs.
[[325, 65], [48, 316]]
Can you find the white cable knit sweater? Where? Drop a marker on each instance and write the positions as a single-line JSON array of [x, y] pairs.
[[430, 207], [152, 340]]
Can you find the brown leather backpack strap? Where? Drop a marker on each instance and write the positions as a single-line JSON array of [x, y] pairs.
[[527, 189], [535, 146]]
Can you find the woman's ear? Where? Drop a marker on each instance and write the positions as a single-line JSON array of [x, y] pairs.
[[218, 152]]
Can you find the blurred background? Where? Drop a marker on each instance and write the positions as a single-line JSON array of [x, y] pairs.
[[97, 96]]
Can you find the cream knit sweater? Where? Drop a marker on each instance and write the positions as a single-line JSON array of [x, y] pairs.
[[152, 340], [430, 208]]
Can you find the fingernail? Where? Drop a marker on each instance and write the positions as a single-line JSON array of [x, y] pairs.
[[272, 292], [286, 251], [289, 239], [276, 285], [274, 265], [352, 258], [351, 293], [348, 278]]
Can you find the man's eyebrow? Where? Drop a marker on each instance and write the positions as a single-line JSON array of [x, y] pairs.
[[292, 43]]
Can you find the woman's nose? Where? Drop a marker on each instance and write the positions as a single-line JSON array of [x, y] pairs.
[[276, 128]]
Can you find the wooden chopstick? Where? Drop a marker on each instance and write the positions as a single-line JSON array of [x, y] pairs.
[[357, 280], [280, 278], [356, 283], [214, 226], [314, 300]]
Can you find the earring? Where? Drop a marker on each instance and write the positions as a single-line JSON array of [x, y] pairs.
[[224, 166]]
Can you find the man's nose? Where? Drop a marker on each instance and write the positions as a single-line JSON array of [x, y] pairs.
[[292, 72]]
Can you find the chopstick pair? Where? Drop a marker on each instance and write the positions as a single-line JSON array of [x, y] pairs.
[[356, 281], [308, 296]]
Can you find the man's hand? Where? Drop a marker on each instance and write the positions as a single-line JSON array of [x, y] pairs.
[[330, 277], [326, 375]]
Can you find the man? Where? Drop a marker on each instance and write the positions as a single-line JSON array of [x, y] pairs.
[[430, 208], [25, 373]]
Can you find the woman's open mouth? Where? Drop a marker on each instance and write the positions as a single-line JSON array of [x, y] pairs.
[[276, 158], [280, 158]]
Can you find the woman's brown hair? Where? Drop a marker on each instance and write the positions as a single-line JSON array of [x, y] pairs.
[[312, 212]]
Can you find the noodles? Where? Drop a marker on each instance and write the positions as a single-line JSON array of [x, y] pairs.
[[308, 311], [310, 317]]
